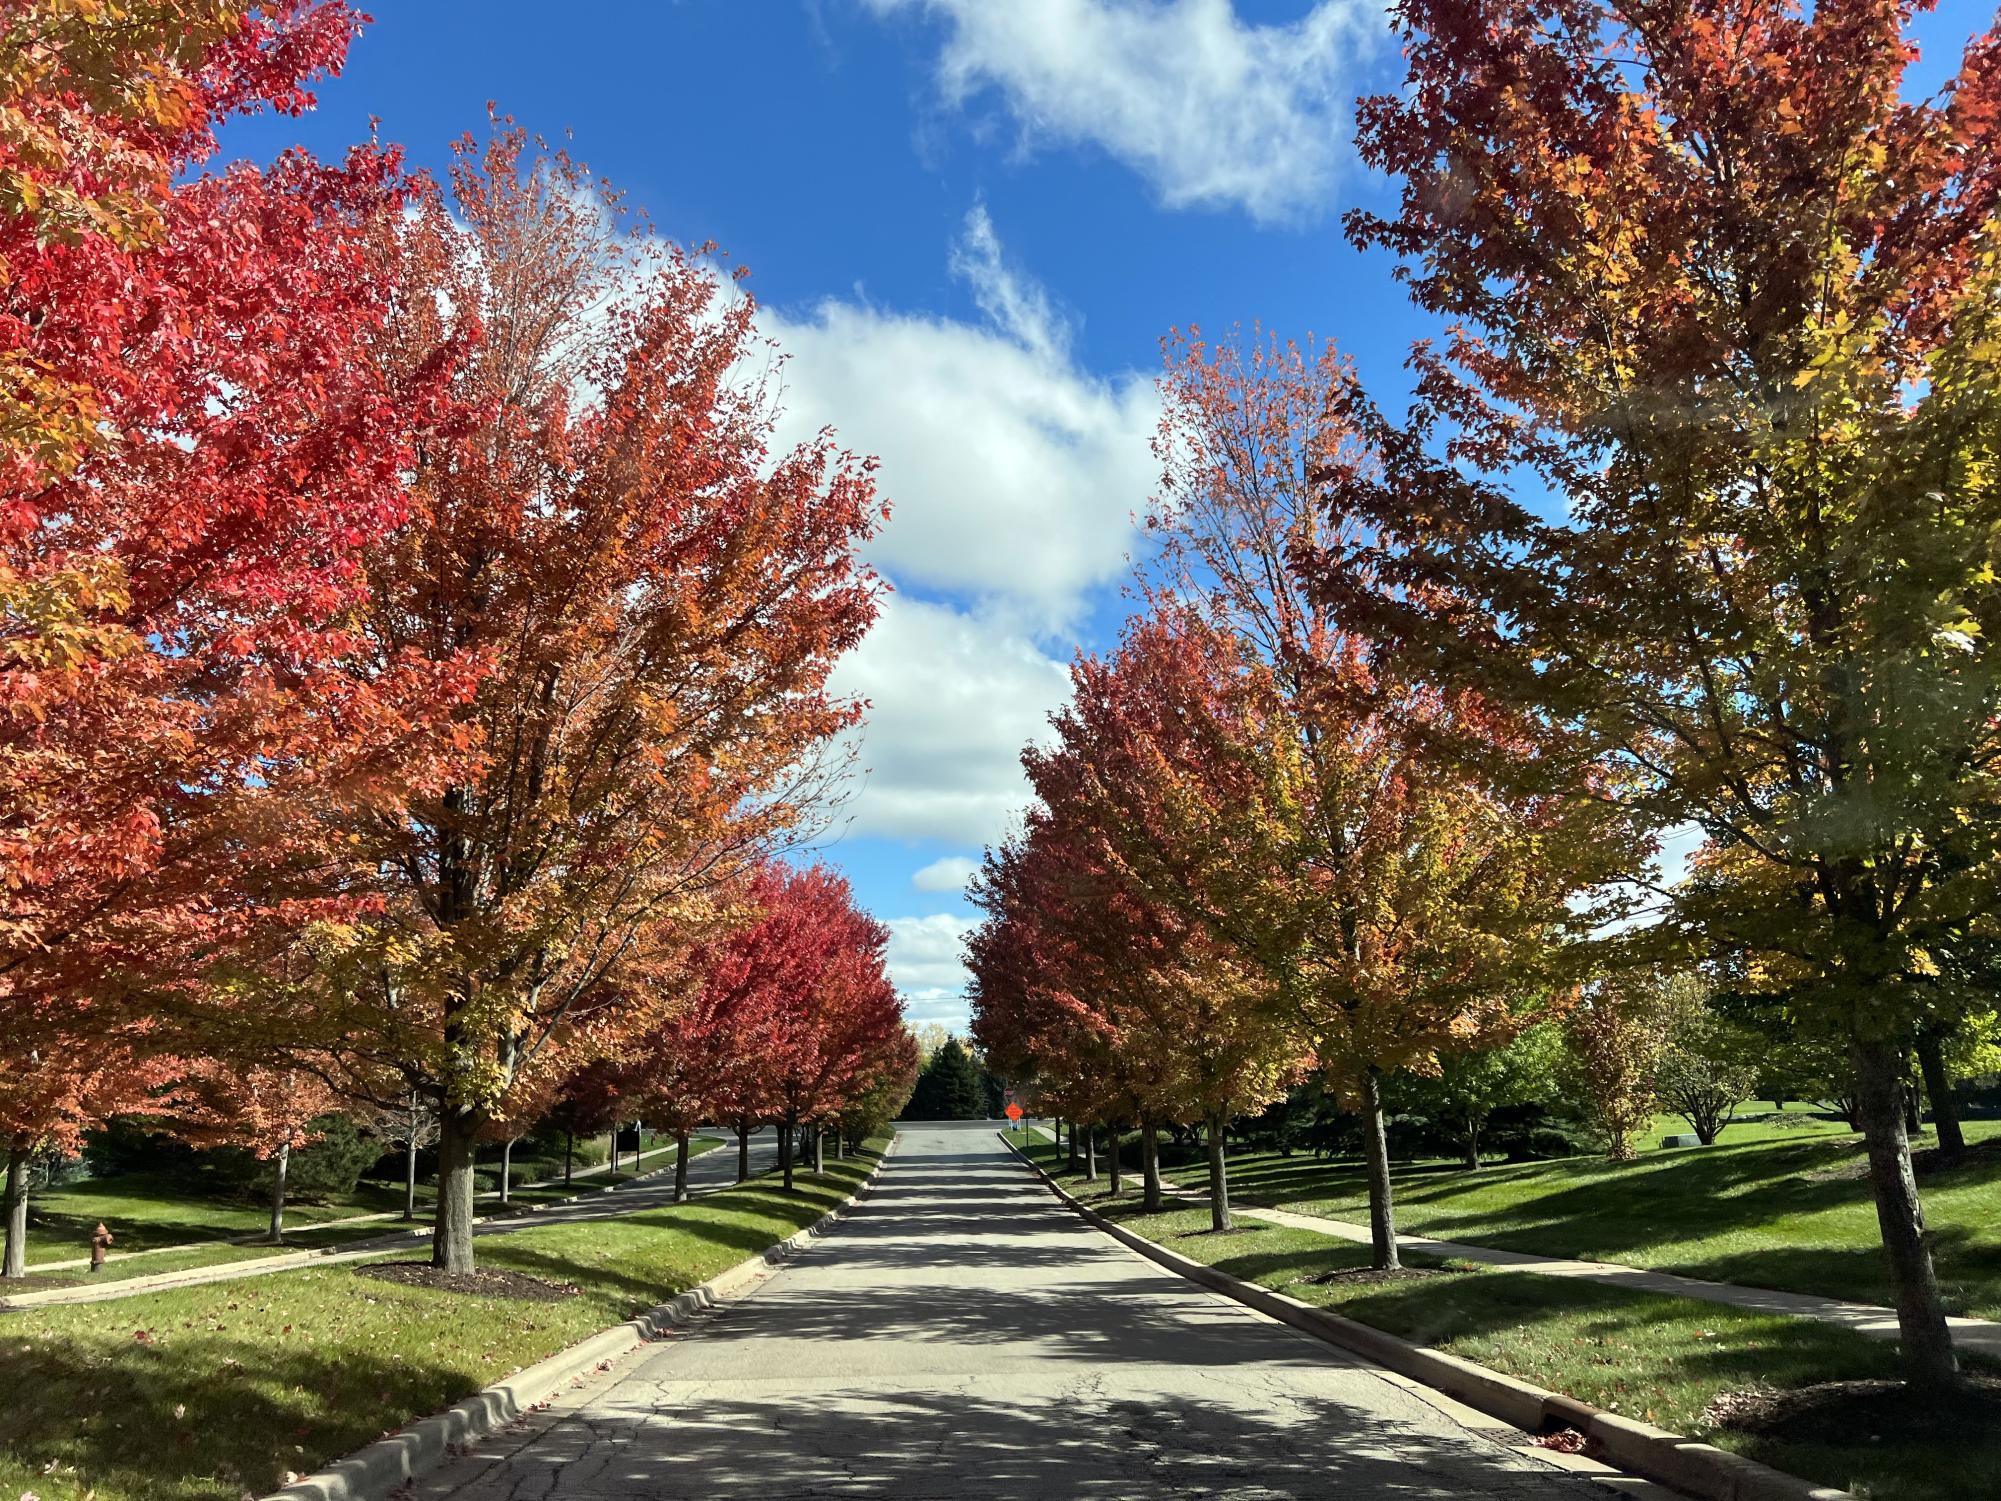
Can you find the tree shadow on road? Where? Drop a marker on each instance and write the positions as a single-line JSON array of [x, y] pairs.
[[1120, 1317], [1021, 1445]]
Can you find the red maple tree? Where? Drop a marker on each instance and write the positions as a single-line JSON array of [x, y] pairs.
[[815, 1019], [201, 451]]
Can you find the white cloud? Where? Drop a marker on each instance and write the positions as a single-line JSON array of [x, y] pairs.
[[924, 951], [946, 1007], [954, 697], [1211, 111], [949, 874], [1013, 301], [925, 967], [1012, 472]]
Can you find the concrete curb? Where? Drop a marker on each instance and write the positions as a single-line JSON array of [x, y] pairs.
[[1699, 1470], [370, 1474]]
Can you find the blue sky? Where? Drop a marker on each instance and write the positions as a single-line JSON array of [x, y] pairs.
[[969, 223]]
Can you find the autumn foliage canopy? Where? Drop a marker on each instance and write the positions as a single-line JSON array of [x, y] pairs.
[[412, 648]]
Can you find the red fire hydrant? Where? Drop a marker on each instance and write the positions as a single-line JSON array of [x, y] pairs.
[[100, 1242]]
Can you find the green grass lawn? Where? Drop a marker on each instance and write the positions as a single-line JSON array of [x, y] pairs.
[[209, 1392], [149, 1213], [1776, 1210], [1756, 1121], [652, 1163], [146, 1210], [215, 1253], [1661, 1360]]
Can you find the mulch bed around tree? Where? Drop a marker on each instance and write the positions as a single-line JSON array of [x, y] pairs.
[[478, 1284], [1852, 1412], [1363, 1276]]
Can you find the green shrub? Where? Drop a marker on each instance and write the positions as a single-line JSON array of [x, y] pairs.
[[546, 1143], [136, 1144], [330, 1167]]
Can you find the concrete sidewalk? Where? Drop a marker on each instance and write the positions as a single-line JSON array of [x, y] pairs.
[[383, 1216], [712, 1172]]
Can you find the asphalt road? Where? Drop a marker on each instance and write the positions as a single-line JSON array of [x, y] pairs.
[[961, 1337]]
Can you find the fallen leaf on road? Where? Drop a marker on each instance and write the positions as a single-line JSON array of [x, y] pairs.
[[1564, 1441]]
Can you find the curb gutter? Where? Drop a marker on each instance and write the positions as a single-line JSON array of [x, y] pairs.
[[1700, 1470], [371, 1473]]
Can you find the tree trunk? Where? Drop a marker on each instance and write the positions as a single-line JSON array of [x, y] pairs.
[[1219, 1177], [1376, 1148], [410, 1166], [1149, 1166], [507, 1172], [1113, 1164], [1090, 1151], [680, 1166], [1076, 1154], [1713, 1111], [451, 1239], [1938, 1089], [785, 1152], [569, 1155], [614, 1152], [819, 1150], [1925, 1341], [1472, 1143], [840, 1142], [1914, 1121], [16, 1260], [743, 1151], [280, 1165]]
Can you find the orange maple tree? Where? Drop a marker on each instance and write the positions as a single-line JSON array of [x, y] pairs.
[[1701, 479], [50, 1096], [268, 1111], [651, 599], [1249, 769]]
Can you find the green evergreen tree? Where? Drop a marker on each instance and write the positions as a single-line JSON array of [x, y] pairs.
[[948, 1088]]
